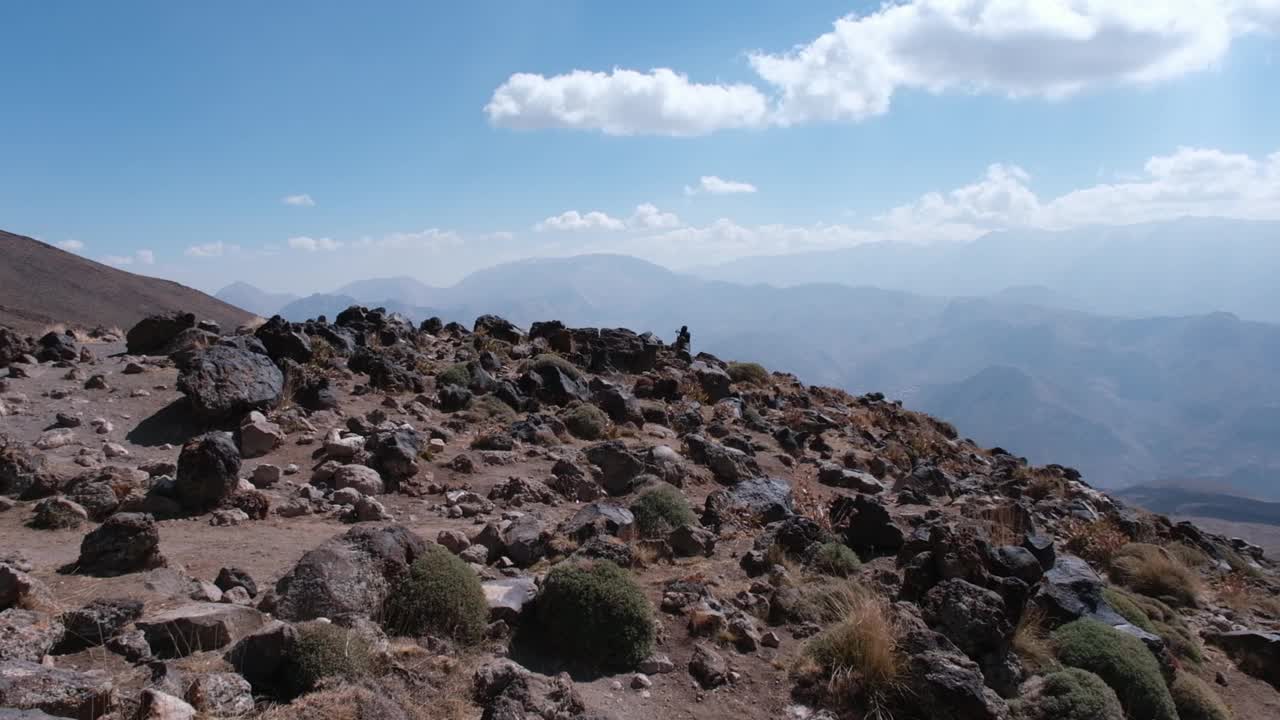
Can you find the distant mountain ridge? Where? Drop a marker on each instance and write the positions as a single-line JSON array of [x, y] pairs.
[[256, 301], [1126, 400], [42, 285]]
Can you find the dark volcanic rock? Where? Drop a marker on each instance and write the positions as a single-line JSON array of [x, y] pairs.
[[61, 693], [282, 340], [223, 383], [760, 499], [125, 543], [395, 455], [198, 627], [99, 621], [208, 472], [152, 334], [1255, 651], [868, 528]]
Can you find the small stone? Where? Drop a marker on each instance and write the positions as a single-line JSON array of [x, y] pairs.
[[114, 450], [237, 596], [206, 592], [264, 476], [291, 469], [63, 420], [102, 426], [657, 665], [96, 382], [770, 640], [640, 681]]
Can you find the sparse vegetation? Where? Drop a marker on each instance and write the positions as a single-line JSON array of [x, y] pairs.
[[1096, 542], [859, 654], [325, 650], [1161, 620], [660, 510], [1031, 640], [555, 361], [748, 373], [440, 595], [457, 374], [488, 408], [836, 559], [1070, 694], [1153, 571], [595, 613], [586, 421], [1192, 557], [1122, 661], [1196, 700]]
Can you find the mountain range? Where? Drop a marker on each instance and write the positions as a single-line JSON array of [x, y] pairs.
[[1176, 398]]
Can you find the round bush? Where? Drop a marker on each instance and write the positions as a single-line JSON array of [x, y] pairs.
[[1122, 661], [836, 559], [660, 510], [457, 374], [441, 594], [325, 650], [586, 422], [1071, 694], [1196, 700], [595, 613], [548, 360], [748, 373]]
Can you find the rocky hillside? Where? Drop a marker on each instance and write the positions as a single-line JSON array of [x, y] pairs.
[[368, 519], [41, 285]]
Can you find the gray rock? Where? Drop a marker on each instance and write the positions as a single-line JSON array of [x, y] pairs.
[[1071, 589], [198, 627], [131, 645], [264, 658], [62, 693], [692, 541], [1256, 652], [258, 436], [220, 694], [99, 621], [525, 540], [58, 513], [714, 381], [265, 476], [395, 455], [351, 574], [370, 510], [153, 333], [223, 382], [27, 634], [600, 518], [836, 476], [764, 500], [708, 667], [156, 705], [508, 598], [364, 480], [232, 577], [619, 467]]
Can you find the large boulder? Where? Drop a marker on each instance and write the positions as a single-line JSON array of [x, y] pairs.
[[508, 598], [259, 436], [61, 693], [351, 574], [208, 472], [283, 340], [866, 525], [1256, 652], [56, 346], [395, 454], [99, 621], [360, 478], [13, 345], [599, 518], [714, 381], [125, 543], [941, 682], [152, 334], [24, 473], [266, 658], [226, 382], [1071, 589], [525, 540], [498, 328], [198, 627], [619, 466]]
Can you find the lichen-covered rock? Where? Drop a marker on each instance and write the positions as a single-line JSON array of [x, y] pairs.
[[125, 543], [225, 382], [62, 693], [351, 574], [208, 472]]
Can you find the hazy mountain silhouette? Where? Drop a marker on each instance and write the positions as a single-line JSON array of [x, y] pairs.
[[259, 302]]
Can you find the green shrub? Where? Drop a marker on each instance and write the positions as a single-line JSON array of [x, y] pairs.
[[325, 650], [1155, 572], [748, 373], [550, 360], [1071, 694], [1123, 604], [1196, 700], [661, 510], [1122, 661], [488, 407], [836, 559], [457, 374], [586, 422], [595, 613], [441, 594], [1156, 617]]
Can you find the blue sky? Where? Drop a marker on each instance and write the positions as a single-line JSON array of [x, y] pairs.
[[429, 140]]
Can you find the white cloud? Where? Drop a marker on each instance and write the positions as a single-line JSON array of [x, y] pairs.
[[303, 200], [118, 260], [430, 239], [648, 217], [625, 102], [713, 185], [213, 249], [142, 257], [310, 244], [572, 220], [1017, 48], [70, 245], [1189, 182], [146, 257]]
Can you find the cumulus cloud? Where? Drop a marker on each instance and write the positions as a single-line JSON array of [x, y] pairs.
[[1017, 48], [310, 244], [210, 250], [625, 102], [1190, 182], [303, 200], [118, 260], [146, 257], [572, 220], [141, 257], [647, 216], [713, 185], [70, 245]]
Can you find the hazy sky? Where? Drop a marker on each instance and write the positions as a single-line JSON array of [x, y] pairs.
[[299, 145]]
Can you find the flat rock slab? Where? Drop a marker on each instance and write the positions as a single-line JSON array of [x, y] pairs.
[[1256, 652], [198, 626], [508, 597], [62, 693]]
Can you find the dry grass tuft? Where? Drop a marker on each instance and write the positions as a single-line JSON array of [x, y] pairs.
[[859, 655], [1031, 640], [1155, 572], [1097, 542]]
